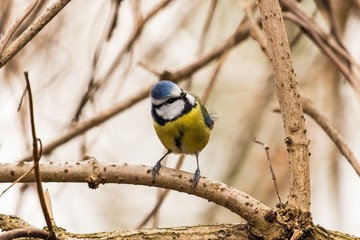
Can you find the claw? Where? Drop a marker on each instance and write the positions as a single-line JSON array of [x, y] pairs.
[[155, 169], [196, 177]]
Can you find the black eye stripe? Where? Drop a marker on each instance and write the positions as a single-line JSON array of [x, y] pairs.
[[174, 99], [171, 100]]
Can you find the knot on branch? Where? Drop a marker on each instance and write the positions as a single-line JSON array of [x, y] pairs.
[[296, 222], [96, 178]]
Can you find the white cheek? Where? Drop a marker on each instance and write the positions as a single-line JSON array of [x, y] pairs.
[[171, 111], [190, 98]]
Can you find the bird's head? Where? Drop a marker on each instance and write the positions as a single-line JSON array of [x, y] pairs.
[[170, 100], [165, 90]]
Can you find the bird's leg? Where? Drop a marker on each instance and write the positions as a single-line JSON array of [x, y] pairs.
[[196, 176], [157, 166]]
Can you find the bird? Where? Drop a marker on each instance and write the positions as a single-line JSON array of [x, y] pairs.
[[181, 123]]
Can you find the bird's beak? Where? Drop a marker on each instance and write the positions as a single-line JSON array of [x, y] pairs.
[[182, 95]]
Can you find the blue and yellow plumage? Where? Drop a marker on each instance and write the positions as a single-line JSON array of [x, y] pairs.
[[181, 122]]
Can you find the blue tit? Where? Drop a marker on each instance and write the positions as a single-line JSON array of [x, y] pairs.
[[181, 122]]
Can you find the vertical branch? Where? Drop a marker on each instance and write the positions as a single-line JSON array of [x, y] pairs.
[[290, 103], [36, 157]]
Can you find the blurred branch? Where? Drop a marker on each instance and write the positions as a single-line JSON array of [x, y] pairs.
[[9, 33], [357, 3], [36, 158], [290, 104], [255, 30], [332, 132], [139, 27], [162, 196], [31, 31], [239, 35], [100, 118], [114, 17], [329, 44], [207, 24], [140, 23], [216, 231], [93, 86]]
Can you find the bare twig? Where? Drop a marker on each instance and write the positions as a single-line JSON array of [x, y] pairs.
[[207, 24], [140, 22], [266, 148], [93, 86], [16, 181], [161, 197], [103, 116], [31, 31], [329, 44], [36, 156], [214, 77], [255, 30], [290, 104], [240, 34], [332, 132], [9, 33], [135, 35]]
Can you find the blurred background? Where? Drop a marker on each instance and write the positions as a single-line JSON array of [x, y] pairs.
[[95, 54]]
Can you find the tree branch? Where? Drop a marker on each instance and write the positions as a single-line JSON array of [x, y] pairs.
[[326, 42], [16, 227], [290, 104], [95, 173], [31, 31], [10, 32], [36, 158], [332, 132]]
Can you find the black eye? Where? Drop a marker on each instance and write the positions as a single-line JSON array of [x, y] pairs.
[[171, 100]]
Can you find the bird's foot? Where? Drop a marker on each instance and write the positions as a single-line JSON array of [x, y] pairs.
[[196, 178], [155, 169]]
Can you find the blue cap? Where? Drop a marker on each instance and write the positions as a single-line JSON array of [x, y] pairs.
[[162, 89]]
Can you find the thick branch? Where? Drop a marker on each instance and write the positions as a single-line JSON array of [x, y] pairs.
[[95, 173], [290, 103]]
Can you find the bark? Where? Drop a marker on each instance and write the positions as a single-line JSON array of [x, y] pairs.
[[279, 53]]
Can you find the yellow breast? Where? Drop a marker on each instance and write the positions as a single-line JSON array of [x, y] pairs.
[[187, 134]]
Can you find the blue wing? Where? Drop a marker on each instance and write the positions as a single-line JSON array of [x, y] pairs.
[[208, 119]]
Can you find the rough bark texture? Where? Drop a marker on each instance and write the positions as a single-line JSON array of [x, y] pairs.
[[16, 226], [94, 173], [278, 50]]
